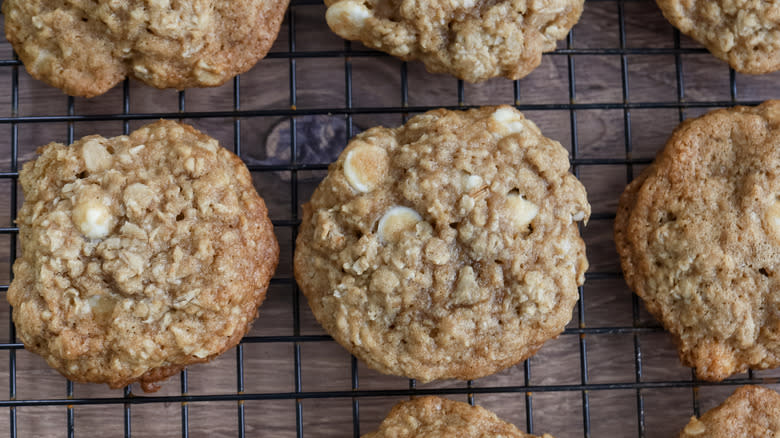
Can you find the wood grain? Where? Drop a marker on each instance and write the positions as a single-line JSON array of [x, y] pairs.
[[376, 82]]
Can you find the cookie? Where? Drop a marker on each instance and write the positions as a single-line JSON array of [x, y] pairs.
[[433, 417], [85, 47], [744, 33], [447, 247], [752, 411], [698, 233], [141, 254], [472, 40]]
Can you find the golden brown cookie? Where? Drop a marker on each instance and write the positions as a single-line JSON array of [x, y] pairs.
[[744, 33], [473, 40], [141, 254], [447, 247], [85, 47], [751, 412], [698, 234], [435, 417]]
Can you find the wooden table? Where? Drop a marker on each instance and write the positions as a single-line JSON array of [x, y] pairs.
[[612, 94]]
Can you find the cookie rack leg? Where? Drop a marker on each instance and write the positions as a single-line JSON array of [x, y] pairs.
[[640, 401], [294, 207], [69, 385], [14, 168], [126, 130], [241, 411]]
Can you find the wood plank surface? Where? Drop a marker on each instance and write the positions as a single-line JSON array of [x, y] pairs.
[[376, 82]]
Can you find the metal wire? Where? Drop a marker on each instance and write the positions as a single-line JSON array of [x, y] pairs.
[[468, 391]]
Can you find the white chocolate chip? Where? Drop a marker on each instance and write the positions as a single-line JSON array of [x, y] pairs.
[[396, 221], [522, 211], [96, 157], [365, 167], [695, 427], [347, 18], [503, 114], [92, 218], [509, 120], [472, 182], [141, 71]]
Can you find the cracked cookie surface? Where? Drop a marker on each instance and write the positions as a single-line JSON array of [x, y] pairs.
[[752, 411], [744, 33], [434, 417], [447, 247], [85, 47], [141, 254], [473, 40], [698, 234]]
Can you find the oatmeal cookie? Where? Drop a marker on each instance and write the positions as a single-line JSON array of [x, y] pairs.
[[141, 254], [744, 33], [433, 417], [445, 248], [698, 234], [473, 40], [85, 47], [752, 411]]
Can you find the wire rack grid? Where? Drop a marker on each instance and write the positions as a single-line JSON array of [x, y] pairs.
[[611, 92]]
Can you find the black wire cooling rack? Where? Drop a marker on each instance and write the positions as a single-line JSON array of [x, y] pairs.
[[519, 391]]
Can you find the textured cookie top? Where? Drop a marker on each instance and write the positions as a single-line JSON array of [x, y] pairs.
[[752, 411], [445, 248], [744, 33], [699, 238], [472, 39], [85, 47], [140, 254], [435, 417]]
